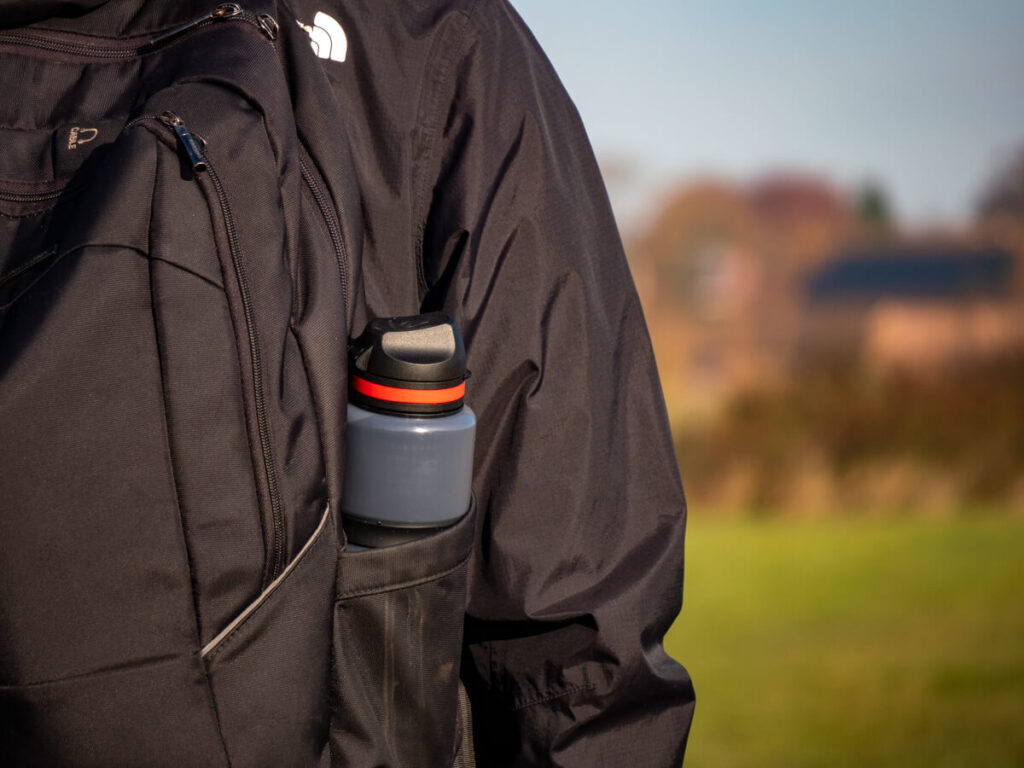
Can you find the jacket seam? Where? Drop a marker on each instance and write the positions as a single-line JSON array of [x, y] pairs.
[[552, 696], [432, 122]]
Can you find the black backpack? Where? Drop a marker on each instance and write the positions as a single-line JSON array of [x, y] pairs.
[[174, 312]]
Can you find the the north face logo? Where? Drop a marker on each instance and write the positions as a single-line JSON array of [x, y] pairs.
[[327, 37]]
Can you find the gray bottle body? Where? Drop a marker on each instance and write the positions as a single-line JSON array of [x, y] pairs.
[[405, 476]]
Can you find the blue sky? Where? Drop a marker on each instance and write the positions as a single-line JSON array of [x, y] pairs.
[[924, 96]]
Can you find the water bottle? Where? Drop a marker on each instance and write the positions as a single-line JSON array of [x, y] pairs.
[[409, 458]]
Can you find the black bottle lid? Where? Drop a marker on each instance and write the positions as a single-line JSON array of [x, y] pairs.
[[409, 365]]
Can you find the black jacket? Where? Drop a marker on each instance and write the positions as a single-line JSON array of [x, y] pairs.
[[481, 197], [472, 189]]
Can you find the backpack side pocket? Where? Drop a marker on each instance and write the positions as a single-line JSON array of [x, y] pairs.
[[398, 619]]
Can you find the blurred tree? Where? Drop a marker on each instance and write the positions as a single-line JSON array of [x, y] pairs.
[[1005, 194], [873, 207]]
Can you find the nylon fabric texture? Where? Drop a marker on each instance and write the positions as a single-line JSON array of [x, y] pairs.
[[176, 588]]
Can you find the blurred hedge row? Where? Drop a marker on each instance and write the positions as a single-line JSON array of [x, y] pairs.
[[843, 440]]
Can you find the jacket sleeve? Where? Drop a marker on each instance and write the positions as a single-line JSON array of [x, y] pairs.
[[577, 573]]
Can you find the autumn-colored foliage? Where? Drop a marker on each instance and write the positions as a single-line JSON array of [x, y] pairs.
[[886, 396]]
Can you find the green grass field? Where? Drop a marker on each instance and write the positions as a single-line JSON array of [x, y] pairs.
[[854, 643]]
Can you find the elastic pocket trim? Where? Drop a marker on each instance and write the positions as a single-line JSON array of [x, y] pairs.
[[402, 585], [407, 565]]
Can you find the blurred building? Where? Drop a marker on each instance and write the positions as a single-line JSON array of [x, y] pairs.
[[913, 307], [743, 286]]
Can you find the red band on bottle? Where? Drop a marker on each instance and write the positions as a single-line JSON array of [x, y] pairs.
[[414, 396]]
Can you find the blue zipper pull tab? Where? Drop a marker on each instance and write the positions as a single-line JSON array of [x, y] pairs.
[[193, 144]]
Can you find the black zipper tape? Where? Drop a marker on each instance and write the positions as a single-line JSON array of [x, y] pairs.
[[113, 49], [333, 226], [277, 554]]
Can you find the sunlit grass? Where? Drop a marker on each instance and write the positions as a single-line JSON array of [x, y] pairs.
[[843, 643]]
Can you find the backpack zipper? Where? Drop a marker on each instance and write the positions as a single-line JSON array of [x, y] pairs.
[[194, 147], [333, 226], [32, 197], [137, 46]]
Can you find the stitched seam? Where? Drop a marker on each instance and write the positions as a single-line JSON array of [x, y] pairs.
[[211, 699], [53, 128], [37, 212], [113, 670], [188, 271], [32, 283], [552, 696], [165, 402], [403, 585], [44, 129], [28, 266]]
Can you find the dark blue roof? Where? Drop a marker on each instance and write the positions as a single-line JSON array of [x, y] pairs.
[[913, 274]]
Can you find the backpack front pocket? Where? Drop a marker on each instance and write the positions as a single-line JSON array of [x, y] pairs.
[[161, 461], [238, 199], [97, 612]]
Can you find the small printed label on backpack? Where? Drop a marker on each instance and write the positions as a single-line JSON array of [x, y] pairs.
[[75, 142]]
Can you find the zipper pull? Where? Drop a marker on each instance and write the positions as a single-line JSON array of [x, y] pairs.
[[221, 12], [268, 26], [193, 144]]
